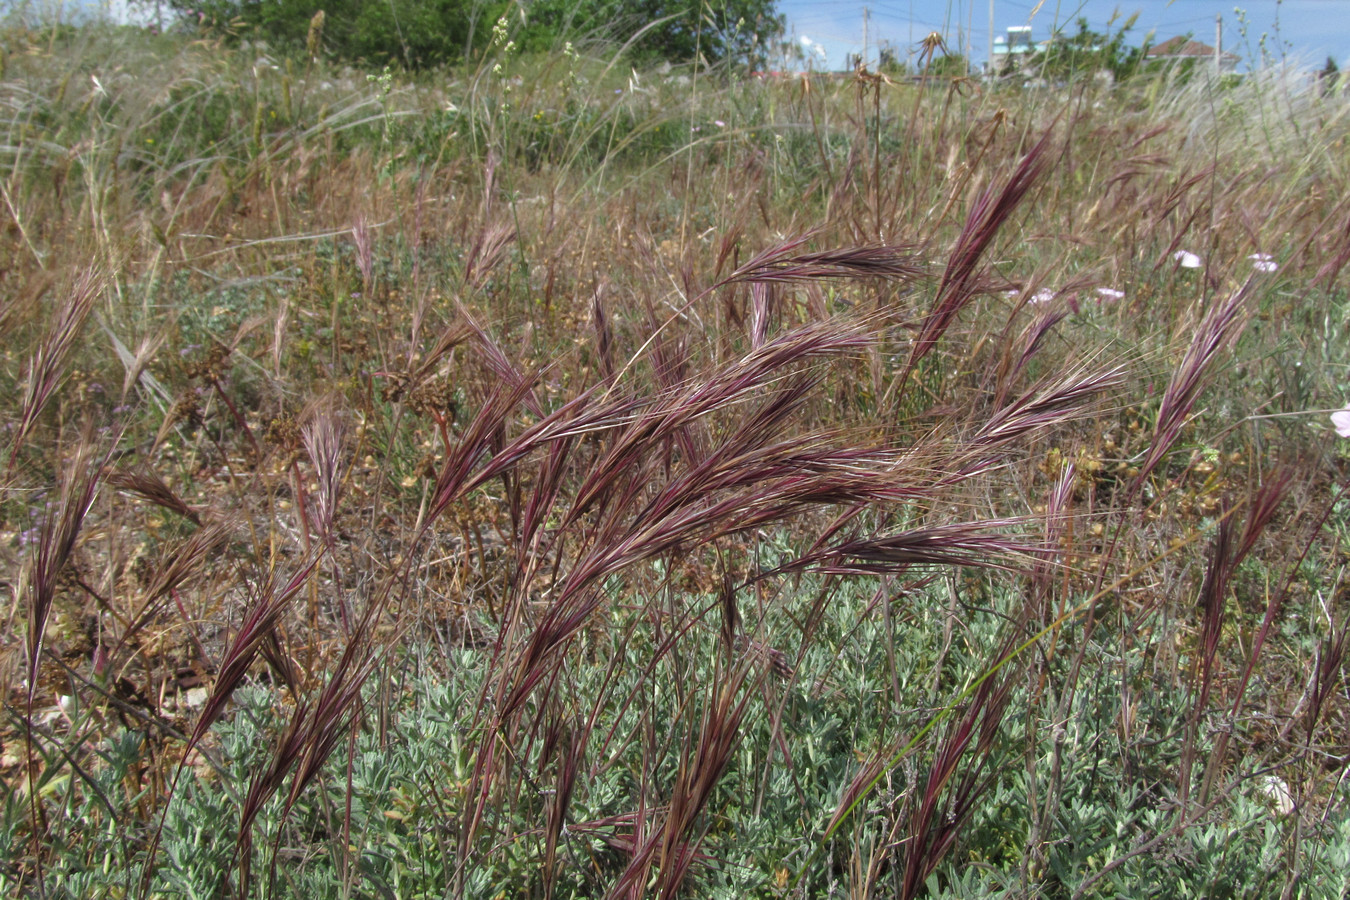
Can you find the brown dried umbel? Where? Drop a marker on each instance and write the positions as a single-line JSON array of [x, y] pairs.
[[434, 399], [395, 384], [356, 347], [187, 409], [210, 366], [284, 433]]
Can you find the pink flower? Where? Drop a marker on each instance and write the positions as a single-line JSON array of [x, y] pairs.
[[719, 123], [1341, 419]]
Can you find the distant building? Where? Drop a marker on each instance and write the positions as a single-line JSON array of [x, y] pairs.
[[1012, 50], [1181, 49], [1019, 39]]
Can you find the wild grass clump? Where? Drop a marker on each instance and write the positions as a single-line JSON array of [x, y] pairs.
[[554, 479]]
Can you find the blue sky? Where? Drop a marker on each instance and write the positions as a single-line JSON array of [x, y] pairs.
[[1308, 30]]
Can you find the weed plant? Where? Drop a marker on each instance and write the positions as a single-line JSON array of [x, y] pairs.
[[546, 478]]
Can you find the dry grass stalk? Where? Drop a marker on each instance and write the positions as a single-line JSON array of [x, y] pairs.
[[960, 280], [1217, 332], [38, 581], [937, 823], [323, 439], [268, 600], [961, 544], [1047, 404], [148, 485], [47, 365], [60, 529], [184, 562], [781, 264], [672, 846]]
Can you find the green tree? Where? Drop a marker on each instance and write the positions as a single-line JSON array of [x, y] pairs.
[[889, 61], [407, 33], [739, 31], [949, 65], [420, 33], [1067, 57]]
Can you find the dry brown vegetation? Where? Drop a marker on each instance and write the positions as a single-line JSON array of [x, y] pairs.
[[619, 385]]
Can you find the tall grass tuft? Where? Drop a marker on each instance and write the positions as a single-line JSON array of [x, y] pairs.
[[46, 367], [563, 478]]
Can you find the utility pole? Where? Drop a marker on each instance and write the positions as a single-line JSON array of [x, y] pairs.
[[970, 35], [989, 65], [866, 14], [909, 57], [1218, 45]]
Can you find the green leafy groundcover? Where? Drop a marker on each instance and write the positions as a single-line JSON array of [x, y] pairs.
[[398, 805]]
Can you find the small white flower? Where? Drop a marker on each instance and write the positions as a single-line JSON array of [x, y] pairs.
[[1187, 259], [1341, 419], [1043, 296], [1275, 790], [1107, 293], [719, 123], [1263, 262]]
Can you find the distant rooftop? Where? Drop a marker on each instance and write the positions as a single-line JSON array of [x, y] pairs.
[[1181, 47]]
